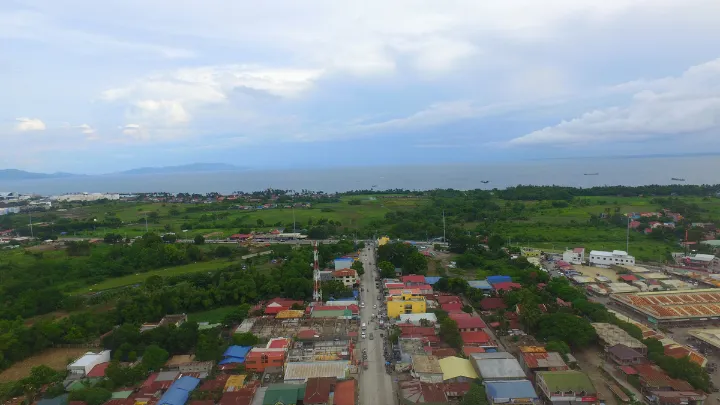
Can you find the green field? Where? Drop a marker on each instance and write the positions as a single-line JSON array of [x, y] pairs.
[[351, 217], [213, 315], [170, 271]]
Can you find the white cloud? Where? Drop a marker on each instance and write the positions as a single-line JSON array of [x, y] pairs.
[[133, 131], [169, 98], [669, 107], [29, 124]]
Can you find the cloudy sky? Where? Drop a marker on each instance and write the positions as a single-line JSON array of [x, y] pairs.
[[97, 86]]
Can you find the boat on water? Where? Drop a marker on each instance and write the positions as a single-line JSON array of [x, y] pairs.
[[591, 174], [676, 179]]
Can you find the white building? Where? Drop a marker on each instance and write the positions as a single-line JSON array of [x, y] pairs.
[[83, 365], [86, 197], [574, 256], [415, 318], [606, 259], [347, 276]]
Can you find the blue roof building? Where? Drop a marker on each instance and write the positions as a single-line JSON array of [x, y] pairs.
[[504, 392], [179, 391], [480, 284], [235, 354], [499, 279], [432, 279]]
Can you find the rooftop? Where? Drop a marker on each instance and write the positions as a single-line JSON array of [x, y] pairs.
[[668, 305], [613, 335], [453, 367], [344, 393], [623, 352], [498, 366], [304, 370], [564, 381], [284, 394], [551, 360], [502, 390], [317, 390], [426, 364]]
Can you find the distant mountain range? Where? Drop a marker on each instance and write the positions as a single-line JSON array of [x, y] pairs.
[[15, 174]]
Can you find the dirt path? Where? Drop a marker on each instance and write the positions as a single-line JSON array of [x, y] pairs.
[[589, 360]]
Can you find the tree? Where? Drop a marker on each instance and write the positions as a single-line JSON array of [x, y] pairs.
[[237, 316], [358, 266], [169, 238], [91, 395], [387, 269], [245, 339], [571, 329], [496, 242], [209, 347], [416, 263], [450, 334], [475, 396], [199, 240], [154, 357], [113, 238], [558, 346], [260, 222], [223, 251]]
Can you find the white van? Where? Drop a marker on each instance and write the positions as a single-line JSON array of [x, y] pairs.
[[364, 326]]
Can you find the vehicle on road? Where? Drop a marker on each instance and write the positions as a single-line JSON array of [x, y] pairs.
[[364, 326], [363, 335], [371, 336], [374, 306]]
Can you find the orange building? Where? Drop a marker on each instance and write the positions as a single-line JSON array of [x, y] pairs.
[[260, 359]]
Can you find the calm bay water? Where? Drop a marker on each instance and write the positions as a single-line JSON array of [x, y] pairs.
[[570, 172]]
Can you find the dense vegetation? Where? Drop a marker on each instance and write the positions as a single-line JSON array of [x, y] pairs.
[[159, 296]]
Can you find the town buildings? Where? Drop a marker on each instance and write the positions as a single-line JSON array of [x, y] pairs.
[[406, 302], [563, 387], [574, 256], [601, 258]]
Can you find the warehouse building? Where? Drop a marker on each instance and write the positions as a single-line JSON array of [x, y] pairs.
[[669, 308], [566, 387], [601, 258]]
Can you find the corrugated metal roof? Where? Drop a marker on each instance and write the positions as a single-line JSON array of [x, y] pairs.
[[453, 367], [507, 390], [304, 370]]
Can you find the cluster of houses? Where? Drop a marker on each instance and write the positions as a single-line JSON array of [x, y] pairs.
[[626, 359]]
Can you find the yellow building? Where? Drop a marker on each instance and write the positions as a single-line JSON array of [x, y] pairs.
[[408, 302], [383, 240], [530, 252]]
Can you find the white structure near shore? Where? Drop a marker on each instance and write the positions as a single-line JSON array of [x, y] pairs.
[[83, 365], [86, 197], [601, 258], [574, 256]]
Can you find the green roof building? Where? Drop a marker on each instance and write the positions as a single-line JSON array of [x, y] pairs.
[[332, 313], [566, 386], [284, 394]]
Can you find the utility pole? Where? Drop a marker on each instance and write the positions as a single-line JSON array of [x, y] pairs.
[[146, 224]]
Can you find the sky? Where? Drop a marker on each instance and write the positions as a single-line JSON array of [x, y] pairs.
[[91, 86]]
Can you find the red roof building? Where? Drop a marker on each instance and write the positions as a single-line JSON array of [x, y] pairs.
[[216, 384], [394, 286], [317, 390], [277, 305], [628, 278], [447, 299], [307, 334], [344, 273], [409, 330], [413, 278], [467, 322], [242, 396], [452, 307], [344, 393], [492, 304], [278, 343], [475, 338], [507, 286], [98, 370], [469, 350]]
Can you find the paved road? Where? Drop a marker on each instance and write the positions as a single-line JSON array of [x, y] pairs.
[[376, 386]]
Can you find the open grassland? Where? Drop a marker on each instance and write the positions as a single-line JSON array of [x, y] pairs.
[[57, 359], [176, 217], [167, 272]]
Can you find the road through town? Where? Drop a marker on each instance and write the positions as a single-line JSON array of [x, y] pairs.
[[376, 386]]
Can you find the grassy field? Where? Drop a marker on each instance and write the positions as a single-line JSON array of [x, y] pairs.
[[133, 215], [213, 315], [170, 271], [56, 359]]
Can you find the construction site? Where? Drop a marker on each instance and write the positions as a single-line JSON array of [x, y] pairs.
[[267, 327], [322, 350]]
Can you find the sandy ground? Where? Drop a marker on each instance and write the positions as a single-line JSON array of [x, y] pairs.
[[591, 271], [53, 358]]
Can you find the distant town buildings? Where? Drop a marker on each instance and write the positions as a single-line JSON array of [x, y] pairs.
[[606, 259]]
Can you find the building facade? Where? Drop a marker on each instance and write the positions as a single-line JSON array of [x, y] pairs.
[[574, 256], [406, 303], [601, 258]]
